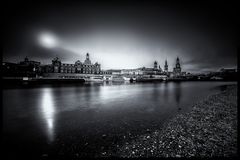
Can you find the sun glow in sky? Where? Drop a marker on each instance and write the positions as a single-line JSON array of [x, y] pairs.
[[47, 40]]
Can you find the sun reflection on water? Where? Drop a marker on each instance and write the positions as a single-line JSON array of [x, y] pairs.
[[48, 111]]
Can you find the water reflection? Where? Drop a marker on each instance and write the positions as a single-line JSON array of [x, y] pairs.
[[86, 112], [178, 93], [165, 93], [156, 91], [48, 112]]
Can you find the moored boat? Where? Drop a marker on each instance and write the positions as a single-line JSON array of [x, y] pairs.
[[126, 78], [96, 79], [118, 79]]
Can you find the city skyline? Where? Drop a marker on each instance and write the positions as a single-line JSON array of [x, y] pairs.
[[125, 36], [151, 66]]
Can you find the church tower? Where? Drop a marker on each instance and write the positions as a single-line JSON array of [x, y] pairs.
[[160, 69], [178, 63], [87, 61], [155, 65], [87, 56], [177, 68], [166, 66]]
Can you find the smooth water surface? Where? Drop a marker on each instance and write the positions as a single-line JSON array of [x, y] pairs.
[[88, 119]]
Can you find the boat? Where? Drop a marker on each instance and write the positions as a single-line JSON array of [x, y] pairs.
[[118, 79], [96, 79], [149, 79], [126, 78], [132, 79]]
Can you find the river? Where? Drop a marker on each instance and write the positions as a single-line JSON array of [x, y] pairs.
[[89, 119]]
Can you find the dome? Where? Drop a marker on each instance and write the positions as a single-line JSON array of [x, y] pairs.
[[78, 62]]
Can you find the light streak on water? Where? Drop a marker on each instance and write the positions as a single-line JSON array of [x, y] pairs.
[[48, 112]]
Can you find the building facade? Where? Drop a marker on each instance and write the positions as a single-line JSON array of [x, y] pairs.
[[78, 67], [25, 68], [156, 70]]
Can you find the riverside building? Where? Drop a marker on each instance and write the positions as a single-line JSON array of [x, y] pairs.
[[156, 70], [85, 67], [24, 68]]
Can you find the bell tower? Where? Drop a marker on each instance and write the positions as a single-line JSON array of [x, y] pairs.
[[177, 69], [178, 63], [155, 65], [87, 60], [87, 56], [166, 66]]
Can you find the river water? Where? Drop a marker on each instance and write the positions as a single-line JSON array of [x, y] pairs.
[[89, 119]]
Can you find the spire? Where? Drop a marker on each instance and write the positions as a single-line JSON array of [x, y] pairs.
[[155, 65], [178, 66], [87, 61], [160, 68], [87, 56], [166, 66]]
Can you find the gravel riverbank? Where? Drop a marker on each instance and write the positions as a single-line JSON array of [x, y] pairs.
[[209, 130]]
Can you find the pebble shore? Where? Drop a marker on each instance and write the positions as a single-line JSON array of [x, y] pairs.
[[209, 130]]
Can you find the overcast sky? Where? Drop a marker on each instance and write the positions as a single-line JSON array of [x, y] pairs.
[[124, 35]]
